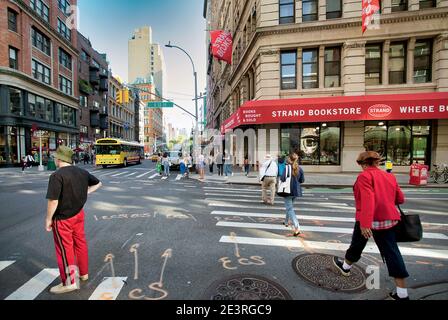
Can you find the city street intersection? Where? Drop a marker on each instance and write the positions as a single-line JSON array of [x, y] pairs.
[[153, 238]]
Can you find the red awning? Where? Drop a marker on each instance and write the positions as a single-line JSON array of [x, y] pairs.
[[432, 105]]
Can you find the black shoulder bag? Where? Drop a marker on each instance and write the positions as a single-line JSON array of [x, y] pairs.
[[409, 229]]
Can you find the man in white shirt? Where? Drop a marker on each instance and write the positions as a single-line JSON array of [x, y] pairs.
[[268, 178]]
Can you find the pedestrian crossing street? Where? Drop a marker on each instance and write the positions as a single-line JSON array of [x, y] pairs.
[[326, 222]]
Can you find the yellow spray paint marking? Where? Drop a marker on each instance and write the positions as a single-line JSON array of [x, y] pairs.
[[110, 258], [106, 296], [233, 237]]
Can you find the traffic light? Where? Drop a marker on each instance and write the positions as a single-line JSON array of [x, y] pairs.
[[119, 97], [126, 96]]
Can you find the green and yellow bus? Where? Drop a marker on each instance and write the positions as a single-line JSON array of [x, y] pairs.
[[110, 151]]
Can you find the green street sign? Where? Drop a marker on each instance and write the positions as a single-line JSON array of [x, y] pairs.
[[160, 104]]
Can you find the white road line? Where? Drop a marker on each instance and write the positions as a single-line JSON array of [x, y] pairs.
[[109, 289], [426, 235], [250, 195], [131, 174], [179, 176], [370, 248], [224, 189], [323, 204], [5, 264], [298, 209], [119, 174], [107, 173], [153, 176], [142, 175], [37, 284], [281, 215], [164, 178]]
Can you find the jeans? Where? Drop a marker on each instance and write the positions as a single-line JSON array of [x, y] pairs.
[[387, 245], [290, 214], [220, 169], [228, 169], [166, 168], [247, 168]]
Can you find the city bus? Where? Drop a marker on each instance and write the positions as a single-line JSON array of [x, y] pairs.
[[110, 151]]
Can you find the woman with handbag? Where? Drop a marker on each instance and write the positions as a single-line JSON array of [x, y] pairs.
[[376, 195], [290, 188]]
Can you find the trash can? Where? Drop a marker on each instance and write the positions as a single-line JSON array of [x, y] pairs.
[[51, 165], [418, 174]]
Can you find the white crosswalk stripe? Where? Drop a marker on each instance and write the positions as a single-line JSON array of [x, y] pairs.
[[5, 264], [131, 174], [238, 211], [370, 248], [35, 285], [179, 176], [153, 176], [144, 174], [119, 174]]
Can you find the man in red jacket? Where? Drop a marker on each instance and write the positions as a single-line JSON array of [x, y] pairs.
[[376, 195]]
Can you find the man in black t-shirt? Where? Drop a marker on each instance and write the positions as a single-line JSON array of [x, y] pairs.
[[67, 193]]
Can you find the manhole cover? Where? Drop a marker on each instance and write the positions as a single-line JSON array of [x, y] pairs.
[[246, 287], [319, 270]]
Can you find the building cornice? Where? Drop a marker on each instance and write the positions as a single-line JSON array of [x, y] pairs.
[[47, 25], [25, 77]]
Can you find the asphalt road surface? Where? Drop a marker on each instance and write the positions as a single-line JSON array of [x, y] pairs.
[[153, 238]]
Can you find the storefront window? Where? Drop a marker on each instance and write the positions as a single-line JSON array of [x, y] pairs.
[[401, 142], [65, 115], [316, 144], [2, 145], [330, 134], [15, 101], [13, 156], [58, 113]]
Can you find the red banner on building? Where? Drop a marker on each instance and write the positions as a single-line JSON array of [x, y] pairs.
[[222, 45], [344, 108], [369, 7]]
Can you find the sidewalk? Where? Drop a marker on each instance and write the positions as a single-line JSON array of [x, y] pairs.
[[327, 180]]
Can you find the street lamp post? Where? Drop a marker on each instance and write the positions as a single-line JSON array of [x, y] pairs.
[[169, 45]]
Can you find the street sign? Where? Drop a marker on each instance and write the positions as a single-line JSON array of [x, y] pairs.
[[160, 104]]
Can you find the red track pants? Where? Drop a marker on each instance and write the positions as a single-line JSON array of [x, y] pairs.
[[71, 247]]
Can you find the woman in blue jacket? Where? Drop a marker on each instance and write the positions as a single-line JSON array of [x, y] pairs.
[[295, 175]]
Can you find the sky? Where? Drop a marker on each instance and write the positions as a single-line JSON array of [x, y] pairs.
[[109, 24]]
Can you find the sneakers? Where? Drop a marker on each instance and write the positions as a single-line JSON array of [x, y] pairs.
[[394, 296], [84, 277], [60, 288], [339, 265]]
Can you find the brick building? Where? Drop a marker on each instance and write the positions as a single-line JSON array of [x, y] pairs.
[[121, 115], [93, 94], [38, 72]]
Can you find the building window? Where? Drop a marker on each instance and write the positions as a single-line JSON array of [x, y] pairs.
[[65, 59], [96, 64], [287, 11], [316, 144], [423, 61], [40, 108], [48, 110], [64, 30], [427, 4], [332, 67], [83, 129], [399, 5], [288, 60], [31, 110], [397, 63], [41, 9], [12, 20], [401, 142], [83, 101], [40, 41], [309, 10], [58, 113], [373, 64], [65, 85], [310, 66], [13, 58], [64, 6], [84, 56], [334, 9], [15, 101], [41, 72]]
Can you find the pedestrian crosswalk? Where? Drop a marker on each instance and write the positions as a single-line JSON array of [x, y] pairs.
[[107, 289], [326, 222]]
